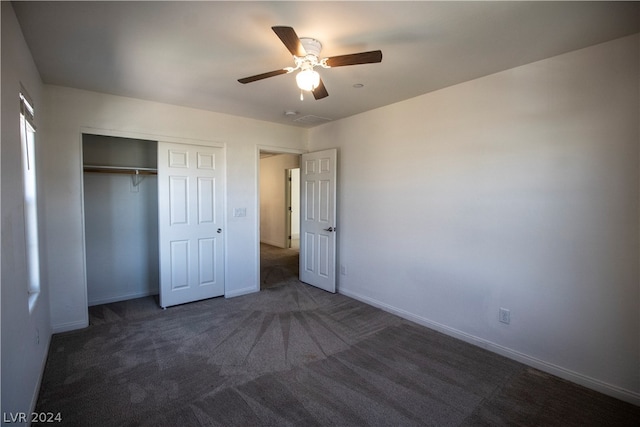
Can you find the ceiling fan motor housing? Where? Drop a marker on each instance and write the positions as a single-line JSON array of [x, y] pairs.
[[311, 46]]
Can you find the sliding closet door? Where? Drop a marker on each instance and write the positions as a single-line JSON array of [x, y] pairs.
[[191, 211]]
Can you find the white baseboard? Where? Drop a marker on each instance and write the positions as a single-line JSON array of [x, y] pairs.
[[559, 371], [124, 297], [240, 292], [36, 391], [71, 326]]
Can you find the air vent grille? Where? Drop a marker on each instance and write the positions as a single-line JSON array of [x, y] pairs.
[[311, 120]]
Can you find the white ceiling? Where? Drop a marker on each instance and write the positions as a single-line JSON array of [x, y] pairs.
[[192, 53]]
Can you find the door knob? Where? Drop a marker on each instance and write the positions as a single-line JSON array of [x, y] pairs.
[[219, 230], [330, 229]]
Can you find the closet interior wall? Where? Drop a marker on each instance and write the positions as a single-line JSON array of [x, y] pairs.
[[120, 218]]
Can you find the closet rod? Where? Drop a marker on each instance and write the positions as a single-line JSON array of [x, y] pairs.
[[121, 169]]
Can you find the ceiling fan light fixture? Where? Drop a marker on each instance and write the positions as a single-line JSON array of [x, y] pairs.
[[308, 79], [306, 55]]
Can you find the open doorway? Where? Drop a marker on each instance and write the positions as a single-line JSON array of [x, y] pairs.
[[279, 219]]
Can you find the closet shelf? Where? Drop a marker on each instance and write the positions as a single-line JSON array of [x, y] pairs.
[[121, 169]]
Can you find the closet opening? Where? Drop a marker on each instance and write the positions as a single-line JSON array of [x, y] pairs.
[[120, 218]]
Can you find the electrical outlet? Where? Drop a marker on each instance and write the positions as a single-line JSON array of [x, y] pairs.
[[504, 315], [343, 269]]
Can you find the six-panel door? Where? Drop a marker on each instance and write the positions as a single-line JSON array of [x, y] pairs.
[[318, 216], [190, 203]]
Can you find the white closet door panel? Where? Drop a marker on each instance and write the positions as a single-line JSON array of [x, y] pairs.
[[179, 264], [190, 200], [179, 199], [206, 200], [207, 261]]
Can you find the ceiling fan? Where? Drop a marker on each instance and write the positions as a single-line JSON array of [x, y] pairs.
[[306, 55]]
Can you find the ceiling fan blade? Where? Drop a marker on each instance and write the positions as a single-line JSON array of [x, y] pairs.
[[290, 39], [320, 92], [262, 76], [355, 58]]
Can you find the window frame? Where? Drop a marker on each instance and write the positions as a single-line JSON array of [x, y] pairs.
[[29, 179]]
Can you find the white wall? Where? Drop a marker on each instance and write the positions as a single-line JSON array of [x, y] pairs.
[[25, 336], [72, 110], [517, 190], [273, 208]]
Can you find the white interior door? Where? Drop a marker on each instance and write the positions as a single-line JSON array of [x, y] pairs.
[[318, 219], [191, 211]]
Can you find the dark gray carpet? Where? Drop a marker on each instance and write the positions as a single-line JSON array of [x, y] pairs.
[[293, 355]]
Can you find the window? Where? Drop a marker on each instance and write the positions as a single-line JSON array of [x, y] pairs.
[[28, 139]]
